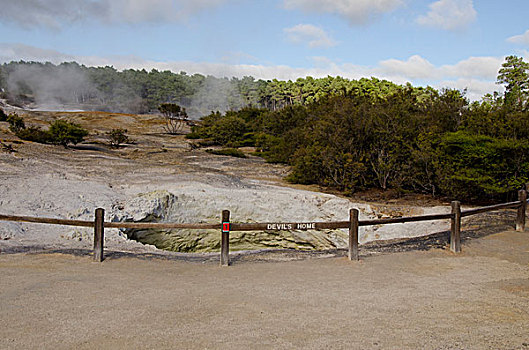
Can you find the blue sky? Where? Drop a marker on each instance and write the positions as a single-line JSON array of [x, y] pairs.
[[443, 43]]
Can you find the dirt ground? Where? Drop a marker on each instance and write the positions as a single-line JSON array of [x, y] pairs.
[[410, 300]]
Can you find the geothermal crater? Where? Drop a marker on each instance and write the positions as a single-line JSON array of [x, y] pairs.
[[200, 203]]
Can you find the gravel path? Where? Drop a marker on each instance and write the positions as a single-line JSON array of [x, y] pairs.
[[409, 300]]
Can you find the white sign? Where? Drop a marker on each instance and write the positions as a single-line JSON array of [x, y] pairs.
[[296, 226]]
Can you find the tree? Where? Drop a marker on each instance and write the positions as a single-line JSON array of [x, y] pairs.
[[514, 74], [63, 132], [175, 117]]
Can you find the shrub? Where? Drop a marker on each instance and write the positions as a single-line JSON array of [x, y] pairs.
[[203, 129], [16, 123], [231, 152], [193, 136], [60, 132], [117, 137], [229, 130], [63, 133], [35, 134], [476, 167], [247, 140]]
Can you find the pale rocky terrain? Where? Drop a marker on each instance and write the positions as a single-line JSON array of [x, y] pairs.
[[160, 177]]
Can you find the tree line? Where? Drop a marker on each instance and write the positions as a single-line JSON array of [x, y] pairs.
[[402, 137], [74, 86]]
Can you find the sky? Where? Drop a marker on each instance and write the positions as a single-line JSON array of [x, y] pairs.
[[442, 43]]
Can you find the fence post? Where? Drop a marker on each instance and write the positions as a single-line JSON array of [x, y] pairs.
[[99, 234], [520, 220], [455, 227], [353, 234], [225, 239]]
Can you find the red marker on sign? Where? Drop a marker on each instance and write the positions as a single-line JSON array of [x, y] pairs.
[[225, 227]]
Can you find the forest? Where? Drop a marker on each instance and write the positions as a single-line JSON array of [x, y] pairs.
[[347, 135], [74, 86], [403, 138]]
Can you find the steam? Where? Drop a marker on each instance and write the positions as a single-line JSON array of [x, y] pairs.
[[49, 87], [214, 95], [71, 87]]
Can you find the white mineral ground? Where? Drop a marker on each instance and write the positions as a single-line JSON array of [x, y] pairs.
[[161, 178]]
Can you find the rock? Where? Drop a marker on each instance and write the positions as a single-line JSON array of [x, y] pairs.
[[153, 206]]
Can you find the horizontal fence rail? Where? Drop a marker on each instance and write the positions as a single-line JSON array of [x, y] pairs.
[[404, 219], [225, 226], [510, 205], [52, 221]]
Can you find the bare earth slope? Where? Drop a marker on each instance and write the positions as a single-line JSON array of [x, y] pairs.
[[411, 300]]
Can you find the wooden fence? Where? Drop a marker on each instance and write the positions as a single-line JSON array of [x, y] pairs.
[[225, 226]]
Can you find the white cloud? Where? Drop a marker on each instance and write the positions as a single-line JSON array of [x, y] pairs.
[[355, 11], [476, 88], [56, 13], [310, 35], [418, 68], [473, 67], [520, 39], [449, 14], [16, 52], [415, 67], [477, 74]]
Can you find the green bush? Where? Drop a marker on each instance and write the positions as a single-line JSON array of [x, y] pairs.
[[64, 133], [203, 129], [232, 152], [474, 167], [246, 140], [193, 136], [117, 137], [35, 134], [60, 132], [16, 123], [229, 130]]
